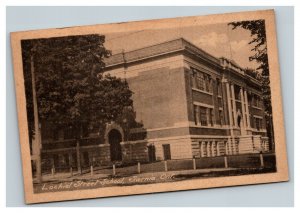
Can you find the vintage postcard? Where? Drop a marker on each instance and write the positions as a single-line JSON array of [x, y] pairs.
[[149, 106]]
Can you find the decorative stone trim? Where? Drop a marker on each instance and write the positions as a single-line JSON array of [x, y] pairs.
[[210, 127], [111, 126], [202, 91], [203, 105]]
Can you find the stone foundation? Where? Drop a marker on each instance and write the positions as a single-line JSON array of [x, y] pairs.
[[210, 147], [180, 147], [253, 144], [99, 155], [134, 151]]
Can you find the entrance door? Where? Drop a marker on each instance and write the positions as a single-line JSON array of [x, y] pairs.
[[151, 153], [115, 147], [167, 151]]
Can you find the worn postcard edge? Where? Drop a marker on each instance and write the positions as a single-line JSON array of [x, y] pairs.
[[279, 130]]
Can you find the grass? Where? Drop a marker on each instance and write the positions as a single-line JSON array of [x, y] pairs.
[[234, 161], [143, 179]]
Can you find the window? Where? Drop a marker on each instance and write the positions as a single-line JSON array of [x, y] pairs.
[[167, 151], [196, 114], [252, 122], [201, 81], [207, 81], [256, 101], [219, 86], [221, 117], [237, 92], [211, 117], [258, 123], [249, 99], [193, 78], [203, 116], [220, 102], [259, 102]]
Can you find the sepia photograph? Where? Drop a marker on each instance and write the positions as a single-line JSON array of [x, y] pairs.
[[149, 106]]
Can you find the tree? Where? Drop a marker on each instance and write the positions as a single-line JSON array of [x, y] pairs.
[[259, 40], [253, 73], [71, 89]]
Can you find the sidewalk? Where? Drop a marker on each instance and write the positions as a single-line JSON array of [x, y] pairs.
[[104, 174], [242, 164], [65, 182]]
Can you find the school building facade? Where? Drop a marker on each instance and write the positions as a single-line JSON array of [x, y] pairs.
[[190, 103]]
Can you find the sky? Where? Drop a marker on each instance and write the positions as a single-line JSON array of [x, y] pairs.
[[217, 39]]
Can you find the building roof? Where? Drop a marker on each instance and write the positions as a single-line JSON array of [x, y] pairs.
[[171, 46], [156, 50]]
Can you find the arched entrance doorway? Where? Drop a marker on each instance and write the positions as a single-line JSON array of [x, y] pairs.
[[114, 138]]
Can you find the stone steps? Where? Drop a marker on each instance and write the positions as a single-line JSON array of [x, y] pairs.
[[246, 145]]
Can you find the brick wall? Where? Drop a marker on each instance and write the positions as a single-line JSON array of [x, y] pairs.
[[159, 97]]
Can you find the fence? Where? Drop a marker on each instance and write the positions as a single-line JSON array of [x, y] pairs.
[[266, 160]]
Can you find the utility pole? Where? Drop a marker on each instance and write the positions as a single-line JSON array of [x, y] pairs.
[[36, 145], [125, 63], [78, 157]]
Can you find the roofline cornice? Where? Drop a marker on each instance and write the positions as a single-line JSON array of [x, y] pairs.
[[187, 47]]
